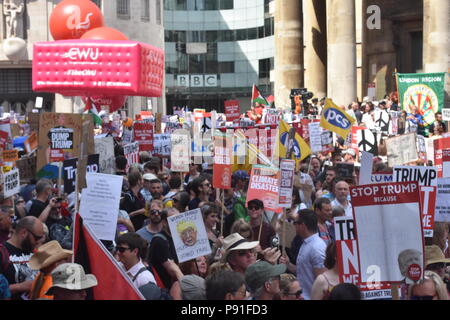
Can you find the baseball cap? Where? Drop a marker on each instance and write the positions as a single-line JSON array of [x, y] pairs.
[[193, 287], [262, 271], [63, 274]]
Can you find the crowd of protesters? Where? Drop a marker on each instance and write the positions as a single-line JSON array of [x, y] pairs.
[[248, 259]]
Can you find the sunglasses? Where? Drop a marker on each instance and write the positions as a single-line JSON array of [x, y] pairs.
[[422, 297], [241, 253], [155, 212], [296, 294], [438, 265], [36, 238], [122, 249], [253, 208]]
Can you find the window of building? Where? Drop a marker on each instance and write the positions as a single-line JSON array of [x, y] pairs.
[[226, 4], [268, 27], [211, 36], [226, 35], [196, 36], [264, 68], [15, 81], [211, 5], [196, 63], [123, 8], [226, 67], [98, 3], [195, 5], [241, 34], [145, 10], [252, 33]]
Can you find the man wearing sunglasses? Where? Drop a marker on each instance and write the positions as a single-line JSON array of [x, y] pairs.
[[155, 226], [28, 233]]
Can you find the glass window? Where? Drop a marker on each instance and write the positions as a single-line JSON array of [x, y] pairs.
[[196, 36], [252, 33], [180, 5], [145, 10], [226, 35], [212, 66], [211, 5], [241, 34], [196, 62], [182, 63], [226, 4], [226, 67], [195, 4], [211, 36], [269, 27], [123, 8], [260, 32], [264, 68]]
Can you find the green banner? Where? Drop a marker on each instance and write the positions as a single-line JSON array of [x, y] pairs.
[[424, 91]]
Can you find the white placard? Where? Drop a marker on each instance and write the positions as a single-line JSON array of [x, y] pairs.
[[180, 157], [315, 136], [425, 176], [99, 206], [11, 183], [104, 146], [287, 168], [446, 114], [189, 235], [39, 102], [365, 173], [442, 213]]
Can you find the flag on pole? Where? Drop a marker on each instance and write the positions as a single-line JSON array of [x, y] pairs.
[[290, 145], [113, 282], [257, 97], [336, 120], [92, 109]]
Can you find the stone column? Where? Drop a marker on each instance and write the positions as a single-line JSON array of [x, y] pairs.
[[341, 36], [436, 39], [288, 50], [315, 22]]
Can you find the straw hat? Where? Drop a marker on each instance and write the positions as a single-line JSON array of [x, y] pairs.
[[434, 254], [236, 242], [47, 254]]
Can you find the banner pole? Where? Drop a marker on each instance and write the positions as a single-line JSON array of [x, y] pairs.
[[283, 230], [260, 228], [222, 217], [60, 164]]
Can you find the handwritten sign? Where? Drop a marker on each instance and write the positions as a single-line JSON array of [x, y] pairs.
[[10, 155], [11, 183]]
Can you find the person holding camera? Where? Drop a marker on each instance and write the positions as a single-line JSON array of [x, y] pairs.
[[43, 204]]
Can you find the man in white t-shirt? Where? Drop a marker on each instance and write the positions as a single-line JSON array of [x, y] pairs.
[[130, 246], [342, 192]]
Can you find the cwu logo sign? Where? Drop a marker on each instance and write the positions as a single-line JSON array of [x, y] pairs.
[[296, 148], [337, 118]]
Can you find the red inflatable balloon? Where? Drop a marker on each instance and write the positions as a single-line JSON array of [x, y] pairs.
[[114, 103], [70, 19], [104, 33]]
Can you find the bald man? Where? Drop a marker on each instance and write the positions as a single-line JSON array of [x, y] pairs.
[[342, 192], [27, 236]]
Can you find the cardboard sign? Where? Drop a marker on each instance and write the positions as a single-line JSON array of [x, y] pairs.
[[161, 145], [264, 185], [69, 175], [347, 260], [401, 150], [31, 144], [143, 133], [131, 152], [287, 168], [440, 145], [27, 168], [11, 184], [232, 110], [99, 206], [189, 235], [10, 155], [33, 121], [442, 211], [180, 156], [389, 225], [104, 147]]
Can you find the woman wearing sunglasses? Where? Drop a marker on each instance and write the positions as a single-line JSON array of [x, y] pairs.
[[430, 288], [290, 288]]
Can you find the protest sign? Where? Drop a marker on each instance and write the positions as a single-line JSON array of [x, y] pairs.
[[347, 260], [70, 172], [365, 172], [442, 211], [426, 177], [31, 144], [232, 109], [11, 184], [367, 141], [315, 136], [401, 150], [327, 141], [104, 147], [143, 134], [3, 139], [382, 120], [381, 178], [10, 155], [27, 168], [272, 116], [189, 235], [422, 148], [345, 170], [33, 121], [264, 185], [446, 163], [423, 90], [93, 165], [222, 160], [389, 229], [179, 155], [446, 114], [161, 145], [66, 141], [287, 168], [127, 136], [99, 205], [131, 152], [439, 146]]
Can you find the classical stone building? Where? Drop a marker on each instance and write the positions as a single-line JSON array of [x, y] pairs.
[[138, 20], [349, 44]]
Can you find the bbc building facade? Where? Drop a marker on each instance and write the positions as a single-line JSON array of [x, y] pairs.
[[216, 50]]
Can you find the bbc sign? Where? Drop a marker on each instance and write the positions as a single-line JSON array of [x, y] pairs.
[[197, 80]]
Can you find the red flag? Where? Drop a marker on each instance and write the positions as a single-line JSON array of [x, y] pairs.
[[113, 283]]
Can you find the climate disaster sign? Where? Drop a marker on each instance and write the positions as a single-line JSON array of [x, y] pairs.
[[264, 185]]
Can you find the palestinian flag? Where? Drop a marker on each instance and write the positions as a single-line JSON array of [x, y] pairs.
[[113, 282], [257, 97], [92, 109]]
